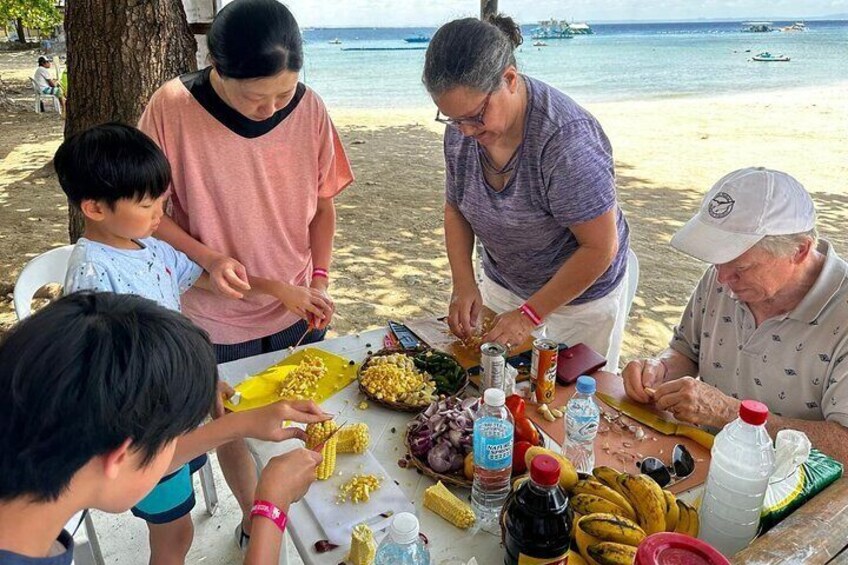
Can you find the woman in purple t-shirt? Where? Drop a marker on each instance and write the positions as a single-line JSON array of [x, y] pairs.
[[530, 174]]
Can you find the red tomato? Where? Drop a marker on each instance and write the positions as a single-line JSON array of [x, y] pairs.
[[515, 405], [519, 467], [526, 431]]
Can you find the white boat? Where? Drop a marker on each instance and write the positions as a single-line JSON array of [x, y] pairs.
[[766, 57], [539, 44], [797, 26], [335, 41], [757, 27]]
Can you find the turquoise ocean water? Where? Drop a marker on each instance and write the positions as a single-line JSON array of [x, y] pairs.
[[618, 62]]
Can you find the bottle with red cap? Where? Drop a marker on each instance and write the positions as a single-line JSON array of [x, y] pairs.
[[537, 522], [742, 462]]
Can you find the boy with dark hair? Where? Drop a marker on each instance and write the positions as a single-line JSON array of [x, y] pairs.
[[118, 178], [99, 390]]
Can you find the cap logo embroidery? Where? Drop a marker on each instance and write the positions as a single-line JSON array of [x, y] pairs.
[[721, 205]]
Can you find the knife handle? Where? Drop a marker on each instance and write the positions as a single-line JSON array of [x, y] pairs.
[[699, 436]]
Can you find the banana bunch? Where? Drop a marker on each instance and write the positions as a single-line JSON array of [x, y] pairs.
[[614, 511]]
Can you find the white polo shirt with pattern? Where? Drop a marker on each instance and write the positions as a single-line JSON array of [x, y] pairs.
[[796, 363]]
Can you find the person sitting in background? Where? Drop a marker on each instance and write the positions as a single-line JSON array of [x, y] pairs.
[[768, 320], [45, 83], [100, 390], [117, 177]]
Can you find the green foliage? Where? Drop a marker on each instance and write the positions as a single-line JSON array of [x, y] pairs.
[[40, 15]]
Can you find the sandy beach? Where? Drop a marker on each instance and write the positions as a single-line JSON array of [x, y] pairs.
[[390, 260]]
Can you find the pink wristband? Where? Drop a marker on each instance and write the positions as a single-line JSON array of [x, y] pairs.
[[320, 273], [528, 311], [269, 510]]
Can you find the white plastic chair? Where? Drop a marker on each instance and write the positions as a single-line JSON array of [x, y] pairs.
[[51, 267], [40, 96]]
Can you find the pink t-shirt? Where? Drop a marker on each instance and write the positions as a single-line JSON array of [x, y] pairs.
[[250, 198]]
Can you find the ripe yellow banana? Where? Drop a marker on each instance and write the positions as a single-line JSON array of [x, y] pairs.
[[567, 472], [682, 526], [586, 504], [605, 492], [672, 511], [575, 558], [609, 527], [694, 522], [609, 553], [608, 476], [647, 499]]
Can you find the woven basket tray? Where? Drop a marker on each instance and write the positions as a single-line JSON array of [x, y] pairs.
[[401, 406], [454, 479]]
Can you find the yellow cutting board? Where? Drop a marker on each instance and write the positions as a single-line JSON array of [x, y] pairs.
[[261, 389]]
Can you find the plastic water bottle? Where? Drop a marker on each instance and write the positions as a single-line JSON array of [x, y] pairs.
[[742, 462], [493, 432], [402, 546], [581, 425]]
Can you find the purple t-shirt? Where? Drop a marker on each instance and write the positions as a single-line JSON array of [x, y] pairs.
[[564, 175]]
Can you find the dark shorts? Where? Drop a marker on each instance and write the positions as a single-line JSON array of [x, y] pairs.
[[280, 340], [172, 497]]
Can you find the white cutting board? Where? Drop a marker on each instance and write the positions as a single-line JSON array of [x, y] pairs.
[[338, 520]]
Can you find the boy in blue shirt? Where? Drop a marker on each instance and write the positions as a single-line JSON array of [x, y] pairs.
[[101, 394], [118, 178]]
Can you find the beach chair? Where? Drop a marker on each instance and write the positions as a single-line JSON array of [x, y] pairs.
[[50, 267], [40, 97]]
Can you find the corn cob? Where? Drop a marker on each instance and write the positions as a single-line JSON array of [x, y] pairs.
[[318, 432], [444, 503], [363, 548], [328, 464], [359, 488], [354, 438]]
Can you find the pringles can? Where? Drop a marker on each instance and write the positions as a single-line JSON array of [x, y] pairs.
[[543, 367], [492, 366]]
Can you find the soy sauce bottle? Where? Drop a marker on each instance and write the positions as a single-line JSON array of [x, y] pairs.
[[537, 520]]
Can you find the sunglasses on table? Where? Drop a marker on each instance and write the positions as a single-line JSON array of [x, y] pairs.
[[475, 121], [682, 465]]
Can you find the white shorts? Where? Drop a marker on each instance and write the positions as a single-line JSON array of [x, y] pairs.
[[598, 324]]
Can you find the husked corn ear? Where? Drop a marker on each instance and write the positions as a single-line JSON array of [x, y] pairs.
[[359, 488], [444, 503], [395, 379], [302, 382], [318, 432], [328, 465], [363, 548], [354, 438]]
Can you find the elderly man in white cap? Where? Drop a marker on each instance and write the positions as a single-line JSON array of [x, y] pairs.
[[767, 321]]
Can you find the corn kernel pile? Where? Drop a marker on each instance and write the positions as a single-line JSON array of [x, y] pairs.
[[302, 382], [359, 488], [395, 379]]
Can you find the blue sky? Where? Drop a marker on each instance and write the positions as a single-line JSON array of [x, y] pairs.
[[390, 13]]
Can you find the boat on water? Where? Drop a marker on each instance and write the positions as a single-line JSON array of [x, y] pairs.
[[539, 43], [560, 29], [417, 38], [766, 57], [335, 41], [797, 26], [757, 27]]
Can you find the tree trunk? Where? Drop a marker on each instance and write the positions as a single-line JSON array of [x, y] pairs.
[[488, 8], [119, 53], [19, 27]]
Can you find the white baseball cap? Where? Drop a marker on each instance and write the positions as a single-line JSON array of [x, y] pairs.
[[742, 208]]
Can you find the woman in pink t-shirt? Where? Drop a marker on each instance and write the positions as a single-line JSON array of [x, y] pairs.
[[256, 164]]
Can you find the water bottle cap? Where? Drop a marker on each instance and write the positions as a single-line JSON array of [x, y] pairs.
[[404, 528], [544, 470], [753, 412], [494, 397], [586, 385]]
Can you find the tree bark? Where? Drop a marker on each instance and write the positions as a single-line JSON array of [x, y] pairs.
[[488, 8], [19, 27], [119, 53]]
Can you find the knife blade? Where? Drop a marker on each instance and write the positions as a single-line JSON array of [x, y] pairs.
[[320, 446], [656, 422]]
